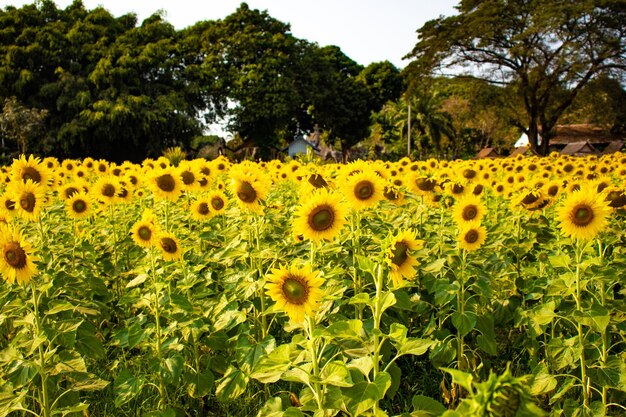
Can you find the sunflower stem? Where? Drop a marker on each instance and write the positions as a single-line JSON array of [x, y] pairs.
[[44, 394], [259, 269], [312, 345], [580, 248], [377, 319], [356, 250], [461, 310], [157, 330], [605, 336]]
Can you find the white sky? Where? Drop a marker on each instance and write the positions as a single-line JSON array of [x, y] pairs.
[[366, 30]]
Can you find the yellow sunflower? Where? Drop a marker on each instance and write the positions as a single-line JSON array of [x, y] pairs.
[[249, 188], [189, 175], [583, 214], [106, 188], [394, 194], [32, 169], [144, 233], [321, 216], [472, 236], [166, 183], [218, 202], [468, 208], [79, 205], [17, 258], [7, 205], [201, 209], [296, 291], [400, 257], [29, 199], [363, 189], [169, 246]]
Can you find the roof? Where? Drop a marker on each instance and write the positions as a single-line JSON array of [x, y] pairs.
[[300, 139], [614, 146], [487, 153], [522, 150], [565, 134], [579, 148]]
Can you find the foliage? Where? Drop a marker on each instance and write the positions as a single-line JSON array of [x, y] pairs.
[[20, 124], [544, 52]]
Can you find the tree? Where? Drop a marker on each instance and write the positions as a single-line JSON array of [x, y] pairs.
[[544, 51], [20, 124], [339, 100], [384, 83]]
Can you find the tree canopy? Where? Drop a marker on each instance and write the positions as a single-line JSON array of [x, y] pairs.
[[543, 51]]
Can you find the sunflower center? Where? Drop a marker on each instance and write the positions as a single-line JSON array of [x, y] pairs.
[[144, 233], [364, 190], [321, 218], [317, 181], [471, 236], [478, 189], [203, 208], [30, 173], [70, 191], [391, 194], [246, 192], [123, 193], [425, 184], [217, 203], [102, 168], [79, 206], [188, 177], [295, 290], [169, 245], [400, 253], [553, 190], [108, 190], [28, 201], [14, 255], [616, 199], [457, 189], [470, 212], [9, 204], [582, 215], [530, 198], [166, 183]]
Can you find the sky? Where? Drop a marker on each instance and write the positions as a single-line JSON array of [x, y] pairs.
[[366, 30]]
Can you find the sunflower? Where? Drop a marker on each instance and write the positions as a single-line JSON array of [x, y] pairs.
[[394, 194], [7, 205], [79, 205], [472, 236], [106, 188], [32, 169], [166, 183], [169, 246], [363, 189], [250, 188], [201, 209], [468, 208], [218, 202], [400, 258], [583, 214], [189, 175], [17, 259], [321, 216], [296, 291], [29, 199], [145, 230]]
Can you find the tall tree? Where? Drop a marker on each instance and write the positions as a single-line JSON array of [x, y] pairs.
[[544, 51], [20, 124]]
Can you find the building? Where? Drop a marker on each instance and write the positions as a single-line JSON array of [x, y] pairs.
[[299, 145]]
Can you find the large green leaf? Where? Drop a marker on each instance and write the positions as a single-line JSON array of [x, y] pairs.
[[126, 387], [231, 385], [270, 368], [464, 322], [336, 373]]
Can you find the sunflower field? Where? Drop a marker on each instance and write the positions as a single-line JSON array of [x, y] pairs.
[[207, 288]]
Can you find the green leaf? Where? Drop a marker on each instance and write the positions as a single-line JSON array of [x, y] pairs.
[[126, 387], [174, 367], [361, 397], [463, 379], [564, 352], [21, 373], [597, 317], [57, 306], [199, 384], [336, 373], [612, 374], [300, 374], [361, 298], [138, 280], [383, 382], [542, 382], [560, 261], [435, 266], [425, 407], [346, 329], [270, 368], [386, 300], [542, 315], [364, 364], [90, 383], [135, 335], [463, 322], [87, 342], [231, 385], [563, 389], [397, 333], [415, 346]]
